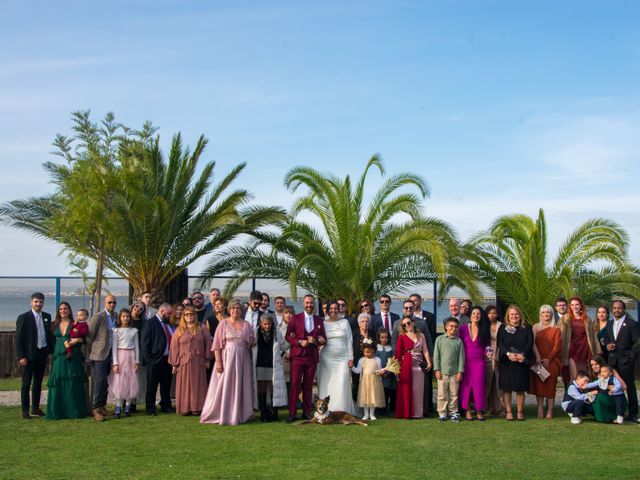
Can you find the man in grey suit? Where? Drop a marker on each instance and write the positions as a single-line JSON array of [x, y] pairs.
[[454, 310], [34, 342], [99, 341], [408, 310], [386, 318]]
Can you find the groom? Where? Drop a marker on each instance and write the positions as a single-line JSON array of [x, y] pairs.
[[304, 333]]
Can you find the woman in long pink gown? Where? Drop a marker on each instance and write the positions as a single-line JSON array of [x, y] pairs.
[[229, 399], [475, 336]]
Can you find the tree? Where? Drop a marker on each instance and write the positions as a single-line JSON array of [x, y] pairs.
[[168, 216], [356, 251], [512, 256], [118, 202]]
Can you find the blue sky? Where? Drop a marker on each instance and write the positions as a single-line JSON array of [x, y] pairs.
[[504, 107]]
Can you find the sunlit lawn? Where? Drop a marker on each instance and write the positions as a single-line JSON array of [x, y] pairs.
[[170, 446]]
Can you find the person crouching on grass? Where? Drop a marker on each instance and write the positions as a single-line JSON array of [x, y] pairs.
[[448, 363]]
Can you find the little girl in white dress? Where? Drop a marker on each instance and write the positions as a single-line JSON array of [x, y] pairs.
[[370, 390]]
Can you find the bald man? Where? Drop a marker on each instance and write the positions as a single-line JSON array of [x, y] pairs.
[[101, 327]]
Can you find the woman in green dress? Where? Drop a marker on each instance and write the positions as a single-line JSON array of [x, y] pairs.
[[66, 396]]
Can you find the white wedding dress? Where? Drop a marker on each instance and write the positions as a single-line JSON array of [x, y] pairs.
[[334, 374]]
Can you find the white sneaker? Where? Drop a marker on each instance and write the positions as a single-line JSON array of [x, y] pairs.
[[365, 416], [373, 417], [570, 414], [619, 420], [576, 420]]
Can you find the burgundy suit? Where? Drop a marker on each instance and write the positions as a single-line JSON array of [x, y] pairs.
[[304, 360]]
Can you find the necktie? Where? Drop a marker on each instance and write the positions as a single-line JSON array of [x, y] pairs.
[[39, 328], [167, 333], [386, 321]]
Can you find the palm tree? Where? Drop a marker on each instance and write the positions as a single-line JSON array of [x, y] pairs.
[[120, 203], [512, 255], [169, 217], [349, 249]]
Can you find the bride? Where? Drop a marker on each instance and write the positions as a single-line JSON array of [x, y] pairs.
[[336, 360]]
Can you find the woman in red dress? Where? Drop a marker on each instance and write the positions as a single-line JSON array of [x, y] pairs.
[[579, 338], [411, 352], [548, 351]]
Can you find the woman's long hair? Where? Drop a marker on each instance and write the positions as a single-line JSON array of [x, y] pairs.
[[58, 319]]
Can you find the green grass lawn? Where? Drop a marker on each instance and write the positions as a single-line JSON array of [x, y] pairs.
[[170, 446], [14, 383]]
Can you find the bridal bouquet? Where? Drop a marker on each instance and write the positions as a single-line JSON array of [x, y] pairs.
[[393, 366]]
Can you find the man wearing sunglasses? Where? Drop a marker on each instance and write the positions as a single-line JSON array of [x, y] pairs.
[[101, 328], [386, 318]]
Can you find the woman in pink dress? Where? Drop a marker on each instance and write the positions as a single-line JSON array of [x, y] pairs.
[[190, 354], [475, 336], [412, 352], [229, 399]]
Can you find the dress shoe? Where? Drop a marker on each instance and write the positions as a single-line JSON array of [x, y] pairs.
[[26, 416], [152, 413], [168, 410], [291, 419], [306, 416], [105, 412], [36, 412], [97, 414]]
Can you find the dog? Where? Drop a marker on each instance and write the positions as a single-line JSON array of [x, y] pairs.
[[323, 416]]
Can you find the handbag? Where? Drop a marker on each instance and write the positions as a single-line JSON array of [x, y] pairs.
[[540, 371]]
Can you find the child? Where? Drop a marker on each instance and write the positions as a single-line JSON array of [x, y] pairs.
[[123, 381], [79, 329], [370, 389], [448, 363], [610, 403], [384, 352], [269, 372], [575, 402]]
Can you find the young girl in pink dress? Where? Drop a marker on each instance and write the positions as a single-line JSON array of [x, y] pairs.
[[123, 381]]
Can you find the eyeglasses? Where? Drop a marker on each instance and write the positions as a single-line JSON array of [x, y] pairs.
[[409, 308], [364, 305], [385, 301], [185, 304], [198, 298], [406, 324], [111, 303]]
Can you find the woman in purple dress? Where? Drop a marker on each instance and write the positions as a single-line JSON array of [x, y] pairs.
[[475, 336], [229, 399]]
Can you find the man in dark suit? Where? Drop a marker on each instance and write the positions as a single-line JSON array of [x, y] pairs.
[[156, 339], [431, 324], [264, 305], [622, 333], [34, 342], [560, 311], [304, 333], [386, 318], [101, 328], [253, 313]]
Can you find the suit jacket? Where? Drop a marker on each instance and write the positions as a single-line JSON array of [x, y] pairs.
[[623, 357], [430, 319], [99, 337], [421, 326], [27, 335], [377, 321], [296, 331], [154, 341]]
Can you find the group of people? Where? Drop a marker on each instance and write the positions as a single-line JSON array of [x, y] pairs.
[[226, 360]]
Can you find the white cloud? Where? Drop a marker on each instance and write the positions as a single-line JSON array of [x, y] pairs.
[[595, 147]]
